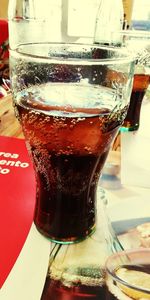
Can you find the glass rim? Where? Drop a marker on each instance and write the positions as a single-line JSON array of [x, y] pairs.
[[124, 59], [121, 254]]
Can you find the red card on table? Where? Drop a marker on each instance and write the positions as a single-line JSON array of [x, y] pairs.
[[3, 31], [17, 201]]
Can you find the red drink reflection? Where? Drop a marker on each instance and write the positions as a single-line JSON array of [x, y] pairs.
[[55, 290]]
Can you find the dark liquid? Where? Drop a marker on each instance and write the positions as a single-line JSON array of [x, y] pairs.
[[54, 290], [67, 209], [68, 149], [115, 293], [140, 86]]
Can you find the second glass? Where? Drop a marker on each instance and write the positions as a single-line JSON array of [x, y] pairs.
[[128, 275], [70, 99]]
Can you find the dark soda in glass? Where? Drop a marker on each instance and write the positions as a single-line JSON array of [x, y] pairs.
[[69, 135]]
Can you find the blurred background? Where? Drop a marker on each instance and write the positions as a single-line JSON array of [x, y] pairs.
[[137, 12]]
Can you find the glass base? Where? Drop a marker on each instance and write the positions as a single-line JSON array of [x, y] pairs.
[[78, 270], [66, 241]]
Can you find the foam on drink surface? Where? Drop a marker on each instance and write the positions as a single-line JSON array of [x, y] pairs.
[[70, 99]]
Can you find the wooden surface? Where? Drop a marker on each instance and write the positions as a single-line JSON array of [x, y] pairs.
[[9, 125], [3, 9]]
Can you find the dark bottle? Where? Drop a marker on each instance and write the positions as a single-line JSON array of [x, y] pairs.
[[140, 85]]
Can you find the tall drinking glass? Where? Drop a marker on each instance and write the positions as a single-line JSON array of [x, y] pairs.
[[70, 100]]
